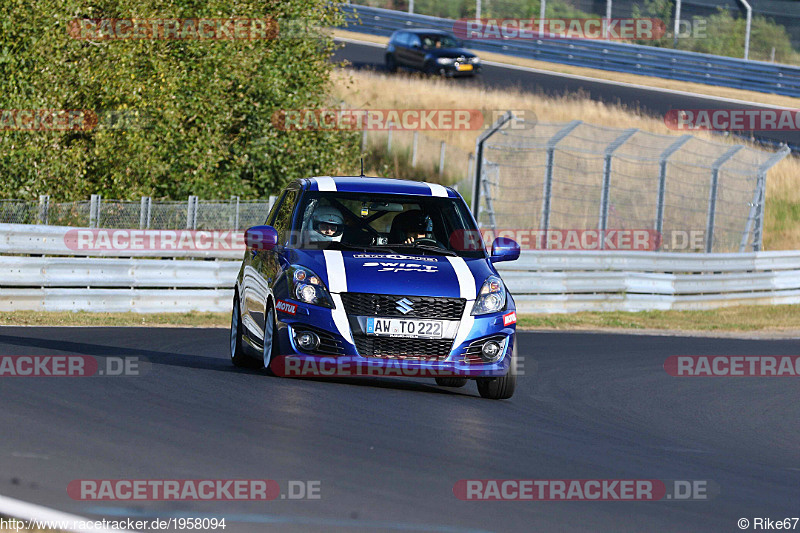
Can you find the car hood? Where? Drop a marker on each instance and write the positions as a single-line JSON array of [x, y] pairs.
[[397, 274], [450, 52]]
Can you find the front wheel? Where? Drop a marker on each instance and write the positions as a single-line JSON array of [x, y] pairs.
[[391, 63], [238, 356], [503, 387], [269, 350]]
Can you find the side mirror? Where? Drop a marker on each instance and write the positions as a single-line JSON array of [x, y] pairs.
[[261, 238], [504, 249]]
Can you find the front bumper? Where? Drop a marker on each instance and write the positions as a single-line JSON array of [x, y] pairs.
[[348, 362], [455, 69]]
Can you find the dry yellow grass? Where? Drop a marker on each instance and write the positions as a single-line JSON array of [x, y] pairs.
[[371, 90], [738, 94]]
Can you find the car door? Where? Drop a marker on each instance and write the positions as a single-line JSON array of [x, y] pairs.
[[255, 287], [269, 262], [416, 54], [401, 49]]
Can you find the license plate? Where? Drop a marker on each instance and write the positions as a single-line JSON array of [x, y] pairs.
[[400, 327], [464, 67]]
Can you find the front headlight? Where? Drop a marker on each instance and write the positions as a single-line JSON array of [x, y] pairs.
[[474, 60], [445, 60], [491, 298], [308, 287]]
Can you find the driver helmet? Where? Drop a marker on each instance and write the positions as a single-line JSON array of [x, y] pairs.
[[327, 224]]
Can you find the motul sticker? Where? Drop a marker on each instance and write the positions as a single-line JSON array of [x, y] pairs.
[[286, 307], [510, 318]]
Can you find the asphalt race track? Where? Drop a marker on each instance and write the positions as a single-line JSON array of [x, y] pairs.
[[650, 101], [387, 452]]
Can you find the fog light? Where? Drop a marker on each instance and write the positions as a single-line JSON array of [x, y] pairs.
[[490, 351], [307, 340]]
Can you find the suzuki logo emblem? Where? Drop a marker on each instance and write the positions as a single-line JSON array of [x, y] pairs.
[[404, 306]]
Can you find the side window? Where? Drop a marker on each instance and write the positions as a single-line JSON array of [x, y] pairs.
[[283, 217], [271, 215]]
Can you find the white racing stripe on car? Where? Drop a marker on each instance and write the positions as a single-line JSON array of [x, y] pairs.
[[437, 190], [466, 284], [325, 183], [334, 264], [337, 283]]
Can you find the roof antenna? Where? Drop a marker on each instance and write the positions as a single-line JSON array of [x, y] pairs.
[[362, 167]]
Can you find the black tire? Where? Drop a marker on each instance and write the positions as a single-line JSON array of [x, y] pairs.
[[391, 63], [266, 362], [451, 382], [239, 357], [501, 388]]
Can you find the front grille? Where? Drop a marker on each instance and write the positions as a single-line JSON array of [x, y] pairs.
[[328, 344], [363, 304], [398, 348], [472, 355]]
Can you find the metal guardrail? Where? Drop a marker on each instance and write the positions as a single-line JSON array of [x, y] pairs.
[[619, 57], [541, 281], [570, 281]]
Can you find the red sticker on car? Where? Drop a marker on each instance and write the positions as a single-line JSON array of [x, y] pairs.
[[510, 318], [286, 307]]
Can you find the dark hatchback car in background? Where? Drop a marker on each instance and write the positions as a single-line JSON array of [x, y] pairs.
[[431, 51]]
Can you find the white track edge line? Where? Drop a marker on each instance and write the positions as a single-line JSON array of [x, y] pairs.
[[22, 510]]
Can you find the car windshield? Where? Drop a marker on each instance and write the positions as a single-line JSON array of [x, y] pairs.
[[439, 41], [393, 223]]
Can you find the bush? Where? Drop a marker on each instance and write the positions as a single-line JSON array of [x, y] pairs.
[[198, 112]]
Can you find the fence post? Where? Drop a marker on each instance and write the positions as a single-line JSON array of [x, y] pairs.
[[389, 138], [609, 153], [191, 213], [712, 195], [414, 149], [476, 186], [548, 174], [363, 140], [662, 184], [236, 214], [44, 208], [149, 211], [756, 215], [94, 211], [144, 215], [441, 158]]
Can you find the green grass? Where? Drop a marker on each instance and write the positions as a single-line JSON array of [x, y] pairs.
[[84, 318]]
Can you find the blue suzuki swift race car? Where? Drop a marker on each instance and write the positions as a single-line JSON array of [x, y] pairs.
[[375, 276]]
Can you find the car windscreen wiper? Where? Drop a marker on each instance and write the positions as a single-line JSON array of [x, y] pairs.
[[427, 248]]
